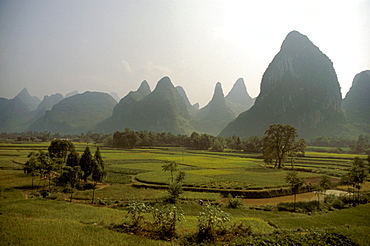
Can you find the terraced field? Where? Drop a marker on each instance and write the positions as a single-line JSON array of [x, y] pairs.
[[224, 170]]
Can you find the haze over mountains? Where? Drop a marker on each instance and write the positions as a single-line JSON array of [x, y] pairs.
[[299, 88]]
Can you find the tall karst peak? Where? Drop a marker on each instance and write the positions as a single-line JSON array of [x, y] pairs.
[[144, 87], [238, 88], [31, 101], [215, 115], [218, 92], [238, 97], [299, 88], [23, 93], [162, 110], [163, 83]]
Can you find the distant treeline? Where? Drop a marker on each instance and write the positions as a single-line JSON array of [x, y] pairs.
[[133, 139]]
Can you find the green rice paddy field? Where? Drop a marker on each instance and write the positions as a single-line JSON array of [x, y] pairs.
[[25, 220]]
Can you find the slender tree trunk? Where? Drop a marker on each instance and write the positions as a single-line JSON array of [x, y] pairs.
[[93, 196], [71, 197], [295, 198]]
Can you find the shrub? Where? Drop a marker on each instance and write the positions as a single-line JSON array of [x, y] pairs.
[[310, 206], [211, 223], [165, 220], [234, 202], [135, 211]]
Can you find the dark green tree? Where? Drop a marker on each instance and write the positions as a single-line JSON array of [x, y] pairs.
[[295, 183], [324, 184], [40, 164], [72, 159], [357, 175], [59, 148], [361, 145], [86, 163], [98, 172], [32, 166], [97, 176], [71, 178], [279, 143]]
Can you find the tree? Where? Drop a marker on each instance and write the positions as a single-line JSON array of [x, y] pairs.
[[279, 143], [97, 176], [98, 172], [361, 145], [32, 166], [175, 184], [40, 164], [86, 163], [71, 178], [127, 139], [218, 144], [324, 184], [357, 175], [58, 150], [295, 183], [72, 159]]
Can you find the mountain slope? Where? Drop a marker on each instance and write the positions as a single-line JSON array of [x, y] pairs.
[[215, 115], [238, 98], [191, 109], [357, 101], [163, 110], [49, 101], [76, 113], [299, 88], [14, 115], [31, 101]]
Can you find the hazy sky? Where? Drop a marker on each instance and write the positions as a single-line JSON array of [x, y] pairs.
[[61, 46]]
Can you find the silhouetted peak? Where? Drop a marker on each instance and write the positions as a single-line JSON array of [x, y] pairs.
[[164, 83], [363, 77], [31, 101], [23, 93], [218, 93], [295, 41], [144, 87], [238, 89]]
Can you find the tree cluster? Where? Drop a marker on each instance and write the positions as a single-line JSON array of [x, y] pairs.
[[63, 164], [131, 139]]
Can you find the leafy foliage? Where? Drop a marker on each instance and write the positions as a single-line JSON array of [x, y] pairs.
[[295, 183], [86, 163], [211, 221], [175, 184], [279, 143]]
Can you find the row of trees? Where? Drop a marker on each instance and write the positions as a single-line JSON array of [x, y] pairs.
[[360, 145], [131, 139], [63, 165]]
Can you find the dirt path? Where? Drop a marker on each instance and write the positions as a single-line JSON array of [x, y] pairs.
[[310, 196], [304, 197]]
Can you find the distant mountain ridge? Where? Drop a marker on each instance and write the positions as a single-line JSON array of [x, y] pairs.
[[76, 114], [162, 110], [299, 88]]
